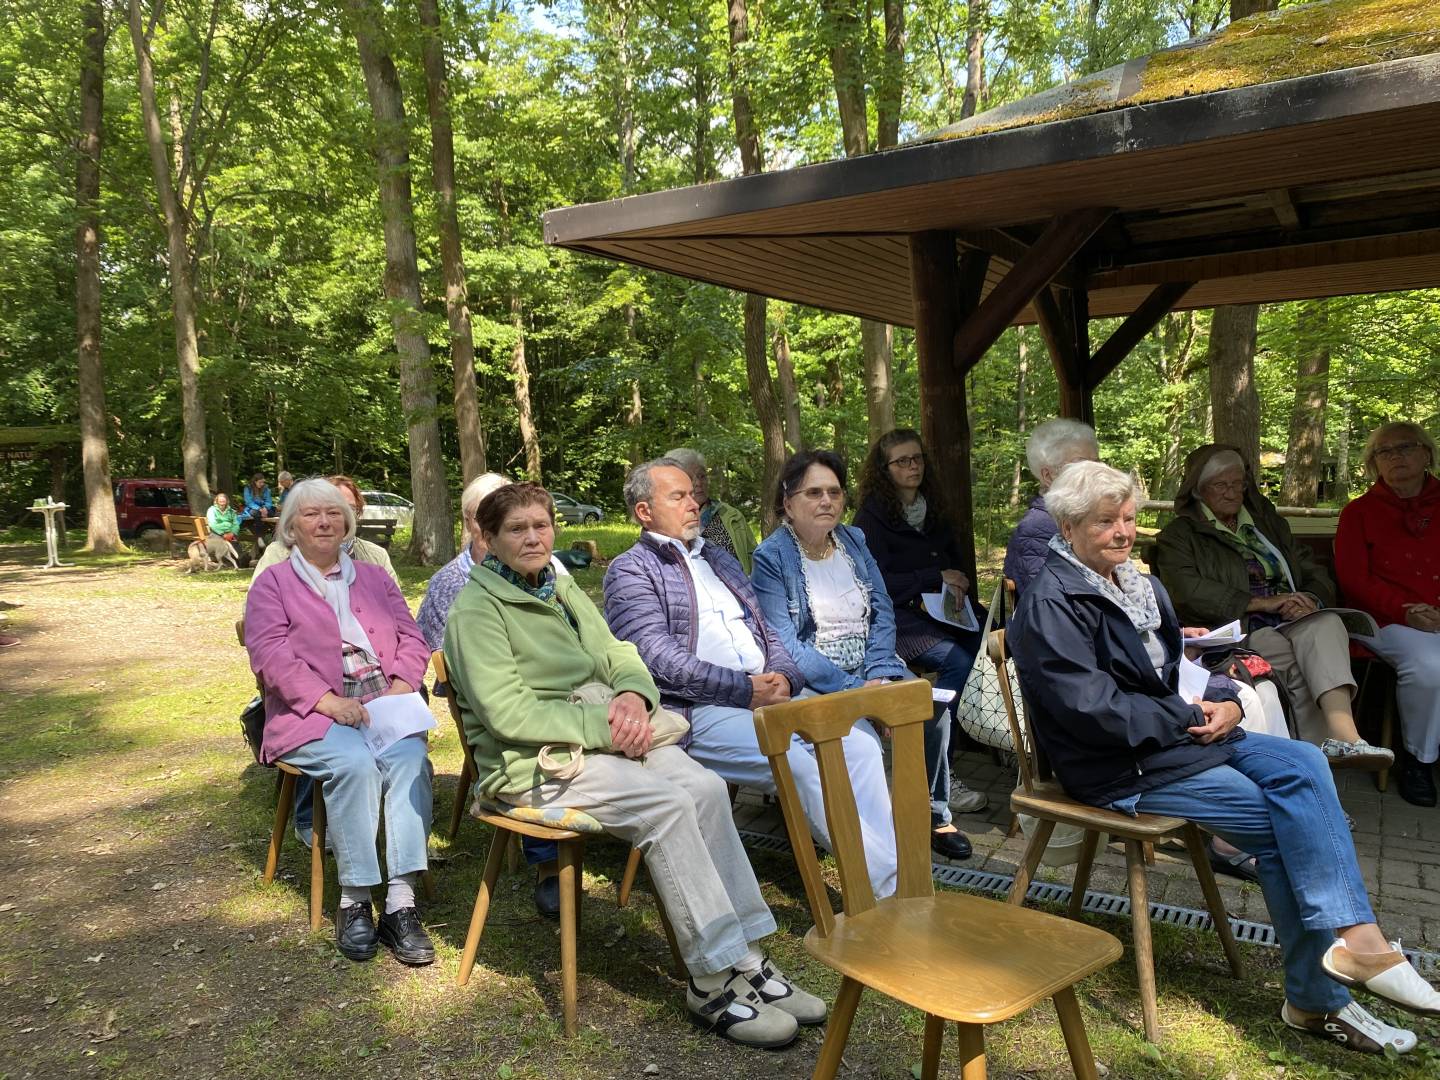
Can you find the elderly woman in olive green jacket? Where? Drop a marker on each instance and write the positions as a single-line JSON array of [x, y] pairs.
[[1228, 555], [519, 643]]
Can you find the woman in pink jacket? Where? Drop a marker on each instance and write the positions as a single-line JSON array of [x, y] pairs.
[[326, 635], [1387, 557]]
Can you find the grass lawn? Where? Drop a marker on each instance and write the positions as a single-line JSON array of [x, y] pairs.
[[136, 939]]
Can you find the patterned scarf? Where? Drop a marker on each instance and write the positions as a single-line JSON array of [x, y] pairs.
[[544, 591], [713, 530], [914, 514], [1130, 589]]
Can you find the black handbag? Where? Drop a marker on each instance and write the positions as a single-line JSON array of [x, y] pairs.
[[252, 725]]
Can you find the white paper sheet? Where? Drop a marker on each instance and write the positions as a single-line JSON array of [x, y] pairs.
[[935, 607], [943, 697], [1193, 680], [1229, 634], [393, 718]]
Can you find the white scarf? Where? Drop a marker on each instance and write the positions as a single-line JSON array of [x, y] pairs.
[[336, 593], [915, 513], [1131, 590]]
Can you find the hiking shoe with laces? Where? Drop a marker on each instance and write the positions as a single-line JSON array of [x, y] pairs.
[[775, 988], [1353, 1028], [966, 800], [736, 1012]]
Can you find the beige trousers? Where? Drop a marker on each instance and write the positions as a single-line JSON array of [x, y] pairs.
[[1310, 657]]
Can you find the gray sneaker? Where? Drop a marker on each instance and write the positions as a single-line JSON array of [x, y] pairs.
[[1356, 755], [736, 1012], [966, 800], [775, 988]]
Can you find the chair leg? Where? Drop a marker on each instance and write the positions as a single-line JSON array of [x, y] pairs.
[[1144, 949], [482, 903], [1082, 1061], [1206, 876], [317, 858], [972, 1051], [837, 1030], [283, 801], [1029, 861], [681, 971], [934, 1036], [1082, 872], [512, 853], [627, 881], [1387, 734], [427, 884], [1149, 848], [579, 887], [462, 792], [569, 980]]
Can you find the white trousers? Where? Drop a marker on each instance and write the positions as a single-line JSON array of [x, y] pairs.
[[1263, 713], [1415, 656], [723, 739]]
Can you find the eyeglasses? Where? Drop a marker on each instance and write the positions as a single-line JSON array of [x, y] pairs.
[[1228, 487], [815, 494], [909, 461], [1397, 451]]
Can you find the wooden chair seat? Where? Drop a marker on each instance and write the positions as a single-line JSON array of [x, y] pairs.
[[962, 957], [1048, 799]]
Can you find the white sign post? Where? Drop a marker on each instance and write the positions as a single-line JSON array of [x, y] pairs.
[[50, 509]]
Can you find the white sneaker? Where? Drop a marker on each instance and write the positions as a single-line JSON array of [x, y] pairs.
[[1400, 985], [966, 800], [775, 988], [735, 1012], [1353, 1028]]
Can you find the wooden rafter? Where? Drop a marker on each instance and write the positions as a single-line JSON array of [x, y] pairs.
[[1132, 331]]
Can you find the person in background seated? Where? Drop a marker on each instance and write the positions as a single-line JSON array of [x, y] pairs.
[[259, 510], [359, 549], [902, 515], [1387, 557], [440, 594], [1228, 554], [1050, 447], [283, 483], [325, 635], [721, 524], [222, 518], [519, 643], [1097, 649]]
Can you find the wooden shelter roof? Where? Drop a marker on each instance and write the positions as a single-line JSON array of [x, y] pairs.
[[1323, 184]]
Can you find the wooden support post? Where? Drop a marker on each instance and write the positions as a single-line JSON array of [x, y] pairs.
[[940, 286], [1132, 331], [1064, 317]]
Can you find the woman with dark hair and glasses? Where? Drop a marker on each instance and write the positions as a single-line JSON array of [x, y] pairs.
[[902, 515]]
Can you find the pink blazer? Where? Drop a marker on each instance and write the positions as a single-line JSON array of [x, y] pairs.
[[294, 643]]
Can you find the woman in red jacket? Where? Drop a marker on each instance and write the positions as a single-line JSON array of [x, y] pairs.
[[1387, 557]]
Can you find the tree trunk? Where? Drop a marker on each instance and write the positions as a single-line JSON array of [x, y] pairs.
[[1305, 451], [102, 532], [1341, 494], [890, 87], [977, 12], [1240, 9], [529, 439], [182, 285], [757, 364], [1177, 345], [789, 397], [835, 392], [1021, 376], [452, 261], [1234, 401], [433, 538]]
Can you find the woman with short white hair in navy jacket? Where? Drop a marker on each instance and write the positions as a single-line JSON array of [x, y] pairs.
[[1097, 647]]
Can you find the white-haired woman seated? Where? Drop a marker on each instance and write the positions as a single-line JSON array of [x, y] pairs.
[[1097, 648], [1051, 446], [325, 635]]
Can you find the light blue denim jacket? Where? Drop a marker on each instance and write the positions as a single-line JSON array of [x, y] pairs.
[[780, 587]]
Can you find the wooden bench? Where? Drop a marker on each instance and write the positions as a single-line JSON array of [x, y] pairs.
[[183, 530], [377, 530]]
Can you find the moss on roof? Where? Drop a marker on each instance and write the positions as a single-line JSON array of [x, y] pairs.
[[1309, 40]]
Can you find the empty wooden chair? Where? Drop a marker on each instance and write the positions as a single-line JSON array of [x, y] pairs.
[[1042, 797], [951, 955]]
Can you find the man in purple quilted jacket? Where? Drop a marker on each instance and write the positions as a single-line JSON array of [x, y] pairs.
[[689, 609]]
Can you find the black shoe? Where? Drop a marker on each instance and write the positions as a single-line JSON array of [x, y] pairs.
[[355, 931], [1416, 782], [950, 845], [547, 895], [402, 934]]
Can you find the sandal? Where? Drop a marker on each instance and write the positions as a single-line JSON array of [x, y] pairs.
[[1240, 865]]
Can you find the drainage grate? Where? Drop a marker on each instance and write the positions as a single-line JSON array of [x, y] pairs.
[[986, 881]]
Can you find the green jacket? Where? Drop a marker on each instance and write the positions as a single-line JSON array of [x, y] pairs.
[[739, 532], [1205, 573], [222, 521], [514, 661]]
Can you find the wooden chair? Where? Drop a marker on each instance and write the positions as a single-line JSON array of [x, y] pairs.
[[1041, 796], [953, 956], [182, 530]]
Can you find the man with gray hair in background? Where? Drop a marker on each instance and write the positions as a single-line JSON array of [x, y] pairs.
[[720, 523]]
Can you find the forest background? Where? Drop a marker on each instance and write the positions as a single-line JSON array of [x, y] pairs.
[[305, 235]]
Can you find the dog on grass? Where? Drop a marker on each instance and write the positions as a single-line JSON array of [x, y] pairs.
[[214, 550]]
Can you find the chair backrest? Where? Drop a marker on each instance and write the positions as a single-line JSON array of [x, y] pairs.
[[1012, 594], [443, 684], [240, 630], [1027, 753], [823, 721]]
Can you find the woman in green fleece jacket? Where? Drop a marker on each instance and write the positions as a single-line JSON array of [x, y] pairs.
[[518, 643]]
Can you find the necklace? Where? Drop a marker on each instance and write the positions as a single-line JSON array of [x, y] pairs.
[[824, 551]]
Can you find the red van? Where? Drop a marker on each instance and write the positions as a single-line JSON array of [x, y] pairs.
[[141, 505]]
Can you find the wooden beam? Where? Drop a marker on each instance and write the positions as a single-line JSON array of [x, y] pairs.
[[1131, 332], [1064, 318], [1284, 207], [940, 286], [1058, 244]]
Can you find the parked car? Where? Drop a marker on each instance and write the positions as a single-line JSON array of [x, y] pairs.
[[385, 505], [141, 505], [574, 512]]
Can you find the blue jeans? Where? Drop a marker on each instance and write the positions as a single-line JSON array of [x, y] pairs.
[[355, 782], [951, 660], [1276, 799]]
